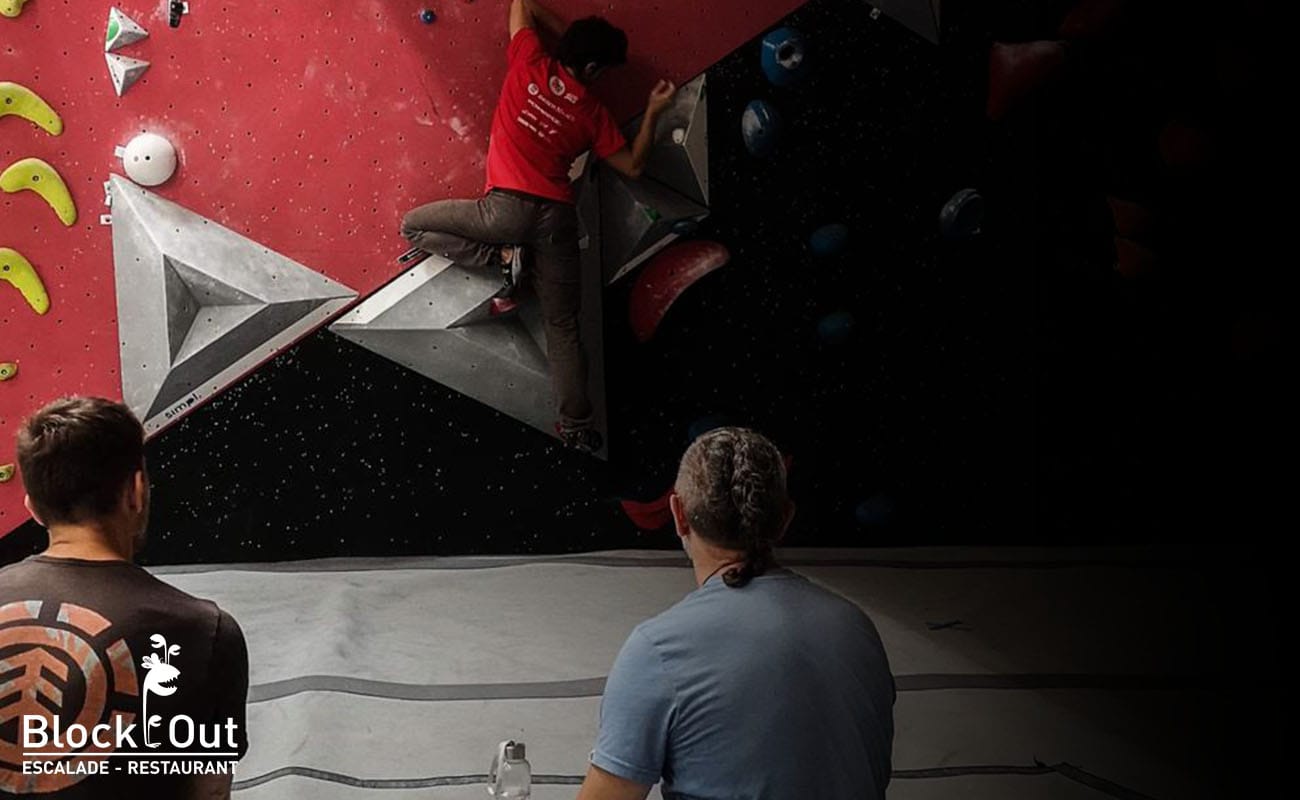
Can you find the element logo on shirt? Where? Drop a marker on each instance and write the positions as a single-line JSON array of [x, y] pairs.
[[557, 86], [63, 663]]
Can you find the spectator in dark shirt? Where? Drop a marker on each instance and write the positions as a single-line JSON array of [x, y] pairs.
[[113, 684]]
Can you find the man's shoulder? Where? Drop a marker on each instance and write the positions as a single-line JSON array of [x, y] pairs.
[[120, 583], [162, 591], [19, 567], [228, 630], [702, 611], [680, 618], [812, 595], [10, 570], [180, 602], [651, 632]]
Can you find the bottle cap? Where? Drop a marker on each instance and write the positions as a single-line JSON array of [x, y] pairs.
[[515, 751]]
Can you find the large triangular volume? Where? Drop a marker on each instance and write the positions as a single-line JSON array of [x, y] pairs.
[[199, 306], [434, 319], [124, 71], [122, 31], [420, 321]]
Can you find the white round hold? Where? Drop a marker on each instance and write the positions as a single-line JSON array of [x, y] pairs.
[[149, 159]]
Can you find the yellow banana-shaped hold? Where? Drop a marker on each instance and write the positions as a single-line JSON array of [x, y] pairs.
[[19, 101], [19, 271], [11, 8], [8, 369], [6, 473], [37, 176]]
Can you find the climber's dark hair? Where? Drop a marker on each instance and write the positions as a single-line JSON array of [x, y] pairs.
[[731, 484], [591, 40]]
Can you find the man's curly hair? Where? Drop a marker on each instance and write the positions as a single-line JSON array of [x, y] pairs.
[[732, 486]]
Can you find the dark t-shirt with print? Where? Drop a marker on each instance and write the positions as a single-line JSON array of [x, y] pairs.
[[102, 643]]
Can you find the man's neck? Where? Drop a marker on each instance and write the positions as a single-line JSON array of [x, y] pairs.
[[709, 561], [85, 542]]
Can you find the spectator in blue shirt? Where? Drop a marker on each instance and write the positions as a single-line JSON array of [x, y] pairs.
[[759, 685]]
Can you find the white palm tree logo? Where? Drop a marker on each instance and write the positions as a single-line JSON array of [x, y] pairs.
[[158, 681]]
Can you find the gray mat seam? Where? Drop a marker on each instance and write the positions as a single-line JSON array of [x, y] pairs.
[[594, 687], [1063, 769], [453, 563]]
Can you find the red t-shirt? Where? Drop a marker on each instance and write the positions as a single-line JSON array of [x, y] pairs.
[[544, 120]]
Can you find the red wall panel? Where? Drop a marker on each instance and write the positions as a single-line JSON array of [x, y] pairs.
[[308, 126]]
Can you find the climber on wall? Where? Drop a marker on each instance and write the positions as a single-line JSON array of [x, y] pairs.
[[526, 221]]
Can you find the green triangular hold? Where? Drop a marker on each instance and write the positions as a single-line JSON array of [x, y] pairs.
[[122, 31]]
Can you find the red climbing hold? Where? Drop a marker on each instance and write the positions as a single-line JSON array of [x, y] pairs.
[[669, 273], [1133, 259], [1131, 219], [1018, 70]]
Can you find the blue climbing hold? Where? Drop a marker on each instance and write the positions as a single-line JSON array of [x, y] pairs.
[[874, 511], [760, 126], [427, 16], [784, 57], [836, 328], [829, 239], [686, 227], [962, 215]]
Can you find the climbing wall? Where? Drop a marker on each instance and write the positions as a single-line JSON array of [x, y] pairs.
[[307, 128]]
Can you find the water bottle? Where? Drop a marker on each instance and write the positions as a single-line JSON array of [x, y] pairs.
[[510, 777]]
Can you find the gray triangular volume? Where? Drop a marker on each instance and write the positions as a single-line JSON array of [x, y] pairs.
[[124, 71], [199, 306], [122, 31], [497, 362], [680, 157], [220, 337], [182, 308], [206, 289], [433, 319], [638, 219]]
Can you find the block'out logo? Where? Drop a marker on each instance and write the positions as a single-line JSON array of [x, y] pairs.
[[159, 681], [69, 683]]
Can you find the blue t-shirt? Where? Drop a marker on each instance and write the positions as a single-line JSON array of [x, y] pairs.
[[779, 690]]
